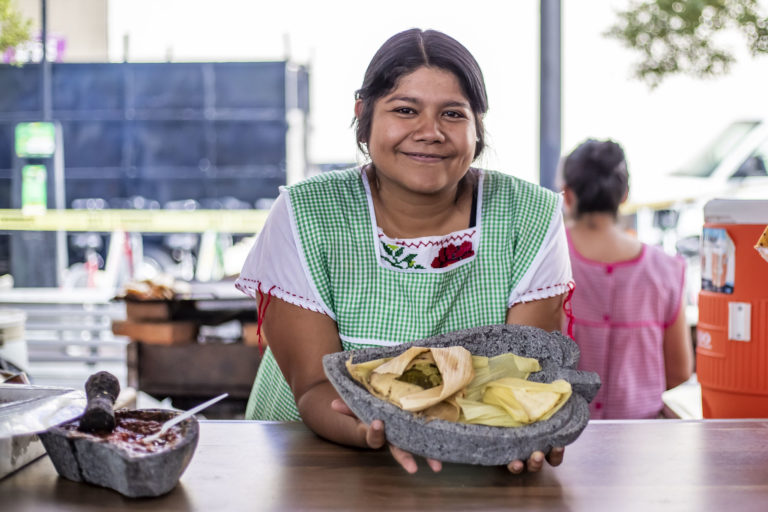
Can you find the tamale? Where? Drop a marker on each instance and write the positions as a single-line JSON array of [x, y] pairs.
[[455, 365], [380, 377]]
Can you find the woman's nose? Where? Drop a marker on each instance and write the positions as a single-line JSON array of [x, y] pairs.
[[429, 130]]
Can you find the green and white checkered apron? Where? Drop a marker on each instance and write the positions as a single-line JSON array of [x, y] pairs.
[[376, 305]]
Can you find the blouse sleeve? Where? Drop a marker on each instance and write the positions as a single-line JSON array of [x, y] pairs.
[[273, 265], [550, 272]]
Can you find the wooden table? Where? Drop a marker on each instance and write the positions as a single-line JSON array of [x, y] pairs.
[[719, 465]]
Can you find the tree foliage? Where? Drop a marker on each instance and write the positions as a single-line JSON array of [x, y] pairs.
[[14, 29], [686, 36]]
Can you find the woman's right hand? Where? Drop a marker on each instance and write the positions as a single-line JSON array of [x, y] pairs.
[[375, 438]]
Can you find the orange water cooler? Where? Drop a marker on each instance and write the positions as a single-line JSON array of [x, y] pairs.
[[732, 333]]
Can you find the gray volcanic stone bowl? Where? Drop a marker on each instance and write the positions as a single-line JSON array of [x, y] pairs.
[[85, 458], [477, 444]]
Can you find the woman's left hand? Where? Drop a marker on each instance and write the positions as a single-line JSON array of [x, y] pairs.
[[536, 461]]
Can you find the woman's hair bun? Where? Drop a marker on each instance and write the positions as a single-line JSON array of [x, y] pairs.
[[605, 157], [596, 171]]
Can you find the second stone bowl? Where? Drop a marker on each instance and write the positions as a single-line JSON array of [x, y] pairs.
[[477, 444], [120, 461]]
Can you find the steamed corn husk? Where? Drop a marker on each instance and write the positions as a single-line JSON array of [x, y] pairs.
[[473, 411], [399, 364], [473, 389], [448, 410], [380, 377], [527, 401], [488, 369]]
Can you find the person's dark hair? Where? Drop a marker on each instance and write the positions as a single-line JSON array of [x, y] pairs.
[[596, 171], [406, 51]]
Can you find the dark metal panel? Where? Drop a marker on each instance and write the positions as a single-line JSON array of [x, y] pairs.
[[249, 85], [20, 88], [167, 86], [168, 143], [92, 144], [153, 129], [87, 88], [5, 193], [244, 142], [6, 146]]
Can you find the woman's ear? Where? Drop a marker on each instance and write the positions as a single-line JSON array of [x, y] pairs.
[[626, 196], [358, 108], [569, 198]]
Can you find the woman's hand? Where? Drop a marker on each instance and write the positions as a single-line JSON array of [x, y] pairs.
[[375, 438], [536, 461]]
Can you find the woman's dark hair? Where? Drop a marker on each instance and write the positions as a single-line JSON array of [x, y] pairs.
[[407, 51], [597, 173]]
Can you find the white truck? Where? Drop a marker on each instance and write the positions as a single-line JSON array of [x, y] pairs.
[[734, 165], [670, 211]]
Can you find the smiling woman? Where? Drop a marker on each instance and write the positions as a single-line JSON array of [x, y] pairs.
[[412, 244]]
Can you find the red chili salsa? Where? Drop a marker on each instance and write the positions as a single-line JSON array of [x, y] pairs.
[[130, 430]]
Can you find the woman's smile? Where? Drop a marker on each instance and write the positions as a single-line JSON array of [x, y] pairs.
[[424, 157]]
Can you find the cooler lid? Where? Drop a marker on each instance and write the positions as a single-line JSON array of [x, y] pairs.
[[736, 211]]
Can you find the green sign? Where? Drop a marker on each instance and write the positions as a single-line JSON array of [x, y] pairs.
[[34, 188], [35, 139]]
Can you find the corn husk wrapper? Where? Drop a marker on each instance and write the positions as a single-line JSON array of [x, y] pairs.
[[480, 413], [449, 410], [380, 378], [488, 369], [527, 401]]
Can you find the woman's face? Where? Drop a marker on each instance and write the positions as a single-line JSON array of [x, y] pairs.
[[423, 132]]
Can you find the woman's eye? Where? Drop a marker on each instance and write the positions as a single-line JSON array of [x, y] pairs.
[[405, 110], [454, 114]]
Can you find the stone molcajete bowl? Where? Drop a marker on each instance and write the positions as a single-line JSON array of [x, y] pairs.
[[84, 457], [477, 444]]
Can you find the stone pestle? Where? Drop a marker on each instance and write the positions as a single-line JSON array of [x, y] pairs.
[[101, 390]]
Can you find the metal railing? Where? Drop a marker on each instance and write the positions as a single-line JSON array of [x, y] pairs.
[[69, 334]]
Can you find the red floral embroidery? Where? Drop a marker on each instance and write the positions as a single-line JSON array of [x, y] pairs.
[[452, 253]]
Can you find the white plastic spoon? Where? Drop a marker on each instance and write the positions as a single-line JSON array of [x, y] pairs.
[[181, 417]]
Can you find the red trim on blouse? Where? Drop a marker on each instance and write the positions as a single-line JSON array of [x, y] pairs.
[[282, 290], [568, 308], [261, 312]]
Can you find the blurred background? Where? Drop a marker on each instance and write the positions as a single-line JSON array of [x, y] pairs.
[[153, 137]]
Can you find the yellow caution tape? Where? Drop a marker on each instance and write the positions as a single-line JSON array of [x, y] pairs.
[[144, 221]]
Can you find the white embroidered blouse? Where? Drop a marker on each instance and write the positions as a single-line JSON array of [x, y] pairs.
[[274, 263]]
